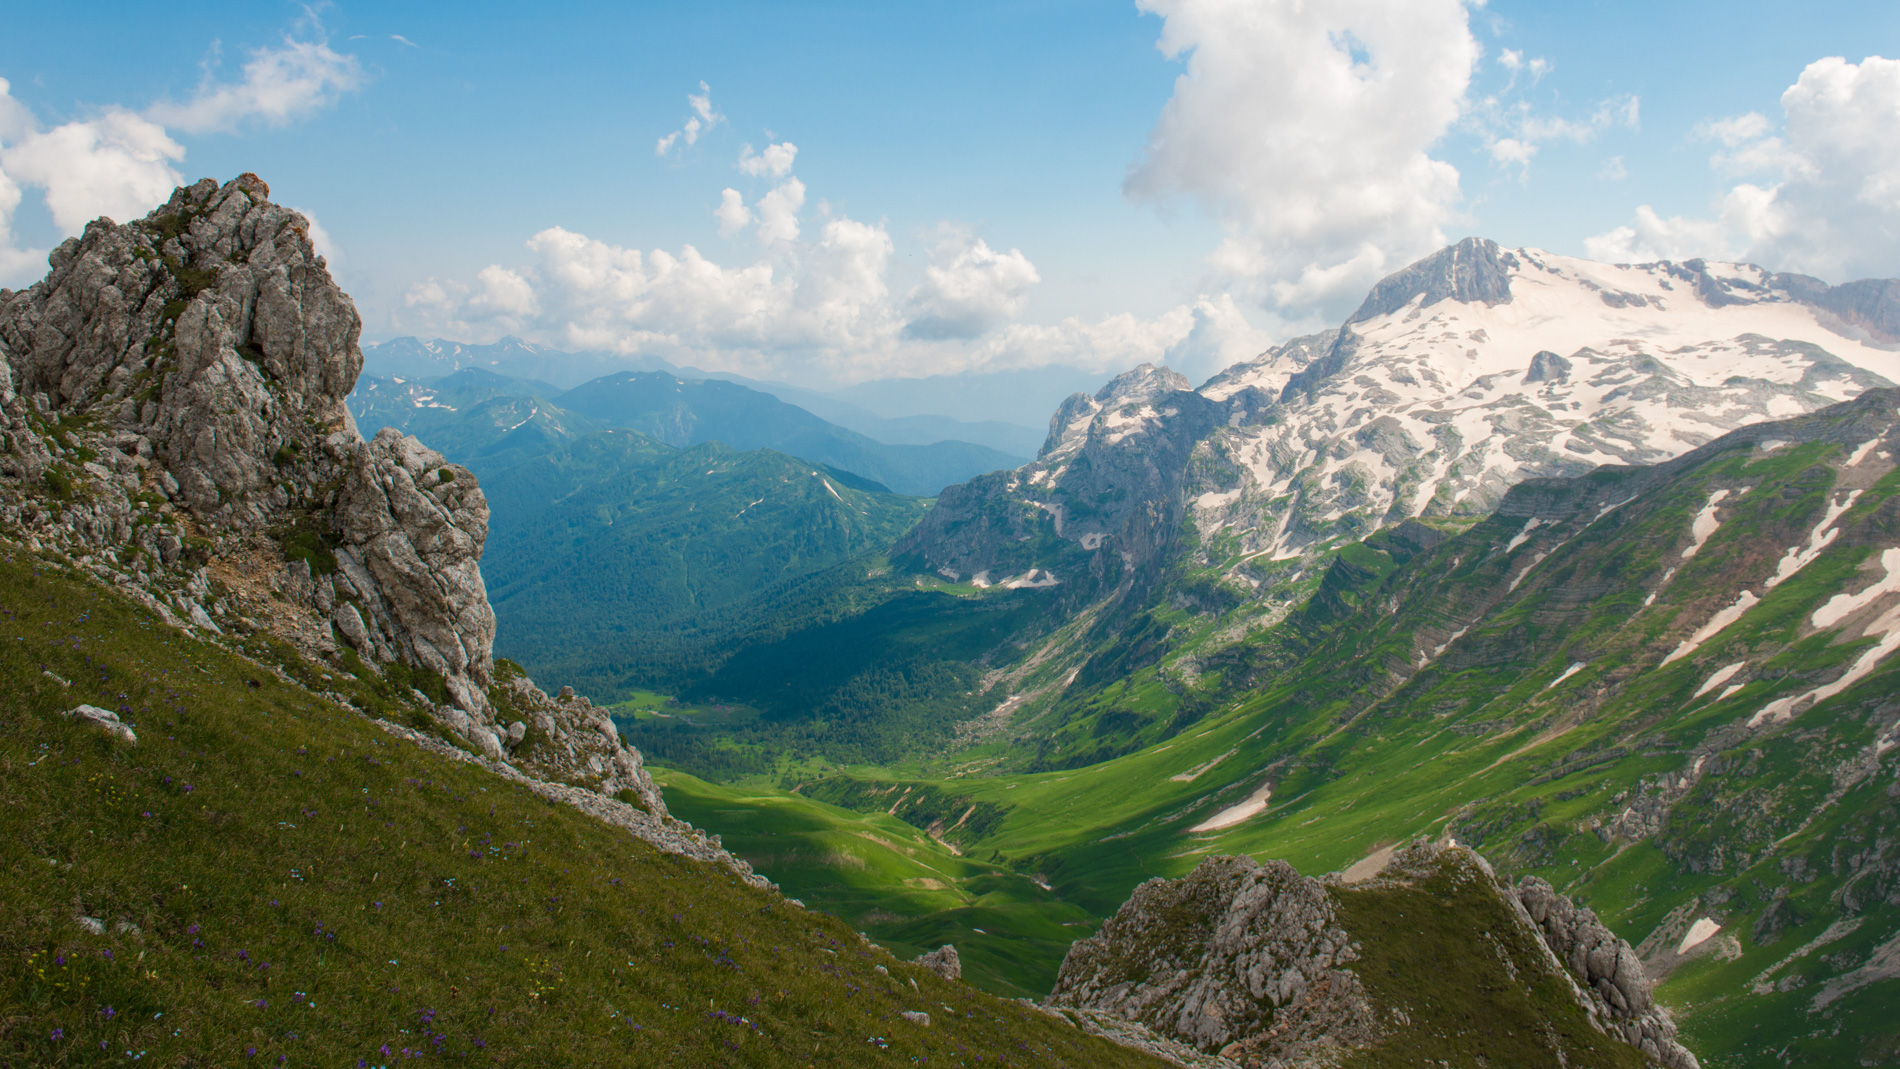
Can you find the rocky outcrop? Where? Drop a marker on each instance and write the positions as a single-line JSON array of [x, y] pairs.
[[1238, 957], [172, 420], [1606, 969], [1260, 966], [412, 527], [943, 961], [178, 382], [570, 739]]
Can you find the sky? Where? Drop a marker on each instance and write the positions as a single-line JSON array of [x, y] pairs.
[[827, 193]]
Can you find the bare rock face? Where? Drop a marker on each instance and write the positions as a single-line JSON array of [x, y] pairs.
[[1238, 957], [1607, 970], [172, 420], [412, 528]]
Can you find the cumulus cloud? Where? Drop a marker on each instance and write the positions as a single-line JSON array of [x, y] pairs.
[[826, 301], [1306, 130], [122, 164], [732, 213], [819, 310], [1827, 196], [969, 289], [280, 84], [119, 165], [703, 118], [774, 162], [778, 211]]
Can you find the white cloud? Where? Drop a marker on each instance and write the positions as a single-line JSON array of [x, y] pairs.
[[1306, 130], [827, 301], [704, 118], [280, 84], [1827, 197], [732, 213], [122, 164], [774, 162], [778, 211], [320, 238], [818, 311], [1651, 237], [969, 289], [1512, 60], [1514, 132], [117, 165], [1218, 337]]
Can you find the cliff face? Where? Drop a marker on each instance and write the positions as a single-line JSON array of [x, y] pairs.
[[172, 419]]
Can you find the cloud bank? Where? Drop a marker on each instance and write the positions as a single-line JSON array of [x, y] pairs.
[[1825, 199]]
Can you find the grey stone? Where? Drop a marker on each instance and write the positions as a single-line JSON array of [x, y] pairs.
[[349, 624], [104, 719], [916, 1017], [943, 961]]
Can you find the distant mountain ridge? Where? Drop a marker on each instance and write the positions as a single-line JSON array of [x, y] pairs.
[[1002, 410], [478, 414]]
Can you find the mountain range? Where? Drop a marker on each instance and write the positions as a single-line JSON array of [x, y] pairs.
[[480, 415], [1003, 410], [1502, 678]]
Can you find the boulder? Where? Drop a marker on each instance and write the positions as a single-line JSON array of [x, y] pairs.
[[104, 719], [943, 961]]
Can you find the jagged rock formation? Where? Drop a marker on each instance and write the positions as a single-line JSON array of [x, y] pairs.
[[172, 420], [1607, 968], [173, 392], [1237, 957], [1261, 966]]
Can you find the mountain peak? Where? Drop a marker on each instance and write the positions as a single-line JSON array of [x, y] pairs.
[[1472, 271]]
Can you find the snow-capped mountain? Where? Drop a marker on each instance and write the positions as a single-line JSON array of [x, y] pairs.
[[1459, 376]]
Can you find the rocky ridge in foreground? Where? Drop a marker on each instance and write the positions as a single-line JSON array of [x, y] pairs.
[[1259, 966], [172, 421]]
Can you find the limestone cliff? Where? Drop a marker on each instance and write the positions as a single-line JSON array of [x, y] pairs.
[[172, 420]]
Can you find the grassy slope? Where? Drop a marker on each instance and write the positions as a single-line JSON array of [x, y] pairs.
[[1485, 745], [276, 874], [889, 879]]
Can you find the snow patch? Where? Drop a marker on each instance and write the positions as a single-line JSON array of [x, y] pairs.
[[1823, 534], [1744, 601], [1194, 773], [1841, 606], [1704, 524], [1699, 933], [1522, 536], [1722, 675], [1234, 814], [1568, 672], [1866, 447]]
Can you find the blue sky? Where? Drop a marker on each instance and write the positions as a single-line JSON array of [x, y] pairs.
[[976, 186]]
